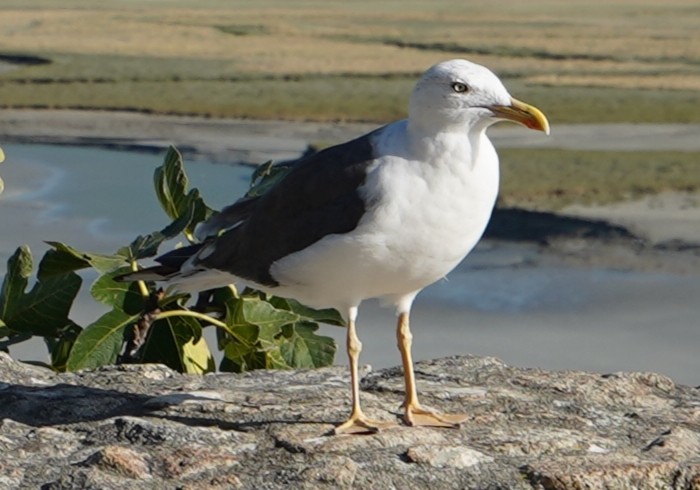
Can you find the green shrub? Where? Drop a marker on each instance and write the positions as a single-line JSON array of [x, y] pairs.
[[146, 324]]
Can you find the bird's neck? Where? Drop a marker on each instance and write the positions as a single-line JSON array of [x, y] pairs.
[[459, 143]]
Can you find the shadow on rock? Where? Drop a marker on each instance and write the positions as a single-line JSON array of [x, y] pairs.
[[66, 404]]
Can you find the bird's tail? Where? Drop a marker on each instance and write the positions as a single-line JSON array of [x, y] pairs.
[[169, 268]]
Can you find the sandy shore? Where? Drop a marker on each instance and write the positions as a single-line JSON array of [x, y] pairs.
[[660, 219], [236, 140]]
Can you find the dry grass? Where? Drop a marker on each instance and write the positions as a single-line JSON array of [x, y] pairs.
[[648, 81], [360, 36], [185, 45]]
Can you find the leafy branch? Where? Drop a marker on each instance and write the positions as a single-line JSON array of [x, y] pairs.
[[145, 324]]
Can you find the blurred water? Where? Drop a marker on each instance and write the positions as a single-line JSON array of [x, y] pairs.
[[495, 303], [111, 191]]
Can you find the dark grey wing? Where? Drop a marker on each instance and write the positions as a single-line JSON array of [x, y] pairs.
[[226, 219], [318, 197]]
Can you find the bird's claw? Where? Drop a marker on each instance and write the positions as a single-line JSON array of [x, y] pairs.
[[416, 416], [360, 424]]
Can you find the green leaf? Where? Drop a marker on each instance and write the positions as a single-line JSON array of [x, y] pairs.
[[223, 337], [171, 183], [273, 359], [60, 348], [239, 357], [263, 314], [58, 262], [44, 310], [244, 349], [145, 246], [273, 335], [246, 334], [64, 258], [200, 211], [266, 176], [301, 347], [260, 173], [123, 296], [168, 340], [243, 313], [327, 315], [19, 268], [197, 358], [100, 342]]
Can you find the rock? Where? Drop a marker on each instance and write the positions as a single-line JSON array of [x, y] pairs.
[[447, 456], [120, 460], [145, 426]]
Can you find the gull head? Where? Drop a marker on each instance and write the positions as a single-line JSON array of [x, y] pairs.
[[461, 95]]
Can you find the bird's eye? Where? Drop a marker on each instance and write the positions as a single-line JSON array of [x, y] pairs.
[[460, 88]]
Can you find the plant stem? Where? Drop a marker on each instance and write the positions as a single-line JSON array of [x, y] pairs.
[[194, 314], [142, 285]]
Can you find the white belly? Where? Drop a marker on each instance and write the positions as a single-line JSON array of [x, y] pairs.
[[427, 221]]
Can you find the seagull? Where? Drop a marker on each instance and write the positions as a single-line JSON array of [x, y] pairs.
[[381, 216]]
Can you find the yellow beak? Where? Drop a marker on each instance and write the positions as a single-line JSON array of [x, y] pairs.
[[522, 113]]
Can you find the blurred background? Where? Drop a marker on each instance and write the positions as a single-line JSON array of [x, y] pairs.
[[619, 81], [582, 61]]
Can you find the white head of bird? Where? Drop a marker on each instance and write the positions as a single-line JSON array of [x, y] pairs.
[[458, 95]]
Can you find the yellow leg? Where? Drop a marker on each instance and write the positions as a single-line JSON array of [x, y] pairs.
[[358, 422], [414, 414]]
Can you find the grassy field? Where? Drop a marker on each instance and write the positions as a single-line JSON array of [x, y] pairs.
[[579, 60], [549, 179]]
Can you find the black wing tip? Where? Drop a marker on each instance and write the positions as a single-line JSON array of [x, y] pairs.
[[155, 273], [170, 264], [124, 277]]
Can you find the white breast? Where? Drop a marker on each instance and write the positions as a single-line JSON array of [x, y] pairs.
[[422, 219]]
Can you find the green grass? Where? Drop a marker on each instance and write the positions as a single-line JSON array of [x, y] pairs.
[[610, 105], [325, 97], [551, 179], [83, 68]]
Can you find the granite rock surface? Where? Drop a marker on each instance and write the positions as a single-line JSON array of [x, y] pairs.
[[145, 426]]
